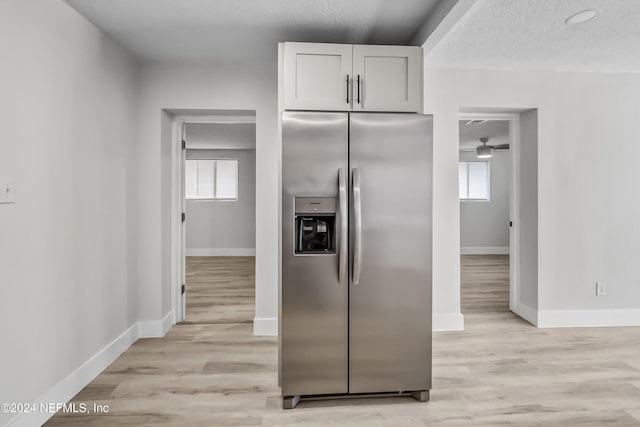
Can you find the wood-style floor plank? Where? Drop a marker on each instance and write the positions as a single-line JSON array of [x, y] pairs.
[[220, 289], [484, 283], [500, 371]]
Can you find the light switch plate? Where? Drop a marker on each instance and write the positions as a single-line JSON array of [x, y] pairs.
[[7, 191]]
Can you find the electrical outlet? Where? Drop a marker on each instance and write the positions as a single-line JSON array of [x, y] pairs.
[[601, 289]]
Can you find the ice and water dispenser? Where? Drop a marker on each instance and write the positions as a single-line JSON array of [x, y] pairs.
[[315, 219]]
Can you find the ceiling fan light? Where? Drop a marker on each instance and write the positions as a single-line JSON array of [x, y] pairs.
[[484, 152]]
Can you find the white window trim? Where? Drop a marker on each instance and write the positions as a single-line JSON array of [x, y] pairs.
[[215, 177], [488, 199]]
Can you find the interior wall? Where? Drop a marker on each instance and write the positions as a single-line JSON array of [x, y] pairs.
[[166, 135], [216, 87], [67, 246], [528, 196], [587, 123], [228, 136], [224, 227], [484, 225]]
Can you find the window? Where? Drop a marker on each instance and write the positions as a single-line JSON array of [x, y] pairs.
[[473, 180], [212, 179]]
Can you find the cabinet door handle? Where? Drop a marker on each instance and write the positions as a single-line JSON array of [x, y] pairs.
[[347, 88], [358, 88]]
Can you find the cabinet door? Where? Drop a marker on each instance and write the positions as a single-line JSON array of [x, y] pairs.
[[387, 78], [317, 76]]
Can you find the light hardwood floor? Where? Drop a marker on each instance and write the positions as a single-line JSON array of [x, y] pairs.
[[500, 371], [220, 289], [484, 283]]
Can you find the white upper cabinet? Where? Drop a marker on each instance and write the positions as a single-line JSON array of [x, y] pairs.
[[317, 76], [337, 77], [387, 78]]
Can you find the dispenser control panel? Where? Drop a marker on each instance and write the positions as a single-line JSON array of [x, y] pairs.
[[315, 219]]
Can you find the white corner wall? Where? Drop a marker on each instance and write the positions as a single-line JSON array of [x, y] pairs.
[[484, 225], [587, 128], [528, 207], [67, 246], [216, 87]]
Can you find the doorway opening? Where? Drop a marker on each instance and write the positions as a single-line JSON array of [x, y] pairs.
[[216, 185], [499, 211], [484, 172]]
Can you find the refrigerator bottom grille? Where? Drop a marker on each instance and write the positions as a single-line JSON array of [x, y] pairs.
[[290, 402]]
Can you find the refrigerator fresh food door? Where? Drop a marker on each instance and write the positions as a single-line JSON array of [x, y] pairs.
[[314, 294], [390, 289]]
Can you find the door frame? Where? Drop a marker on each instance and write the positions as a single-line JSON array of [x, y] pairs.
[[178, 202], [514, 202]]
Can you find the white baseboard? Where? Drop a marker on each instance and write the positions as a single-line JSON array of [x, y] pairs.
[[527, 313], [78, 379], [221, 252], [268, 326], [155, 328], [265, 326], [448, 322], [472, 250], [588, 318]]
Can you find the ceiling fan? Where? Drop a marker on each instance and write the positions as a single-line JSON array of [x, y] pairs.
[[485, 151]]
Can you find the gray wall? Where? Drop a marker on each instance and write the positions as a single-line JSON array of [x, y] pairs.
[[228, 136], [218, 87], [486, 224], [528, 195], [68, 244], [224, 227]]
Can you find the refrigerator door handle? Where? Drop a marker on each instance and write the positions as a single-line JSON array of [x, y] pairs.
[[357, 219], [342, 191]]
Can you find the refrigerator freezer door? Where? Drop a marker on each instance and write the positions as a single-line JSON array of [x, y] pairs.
[[314, 301], [390, 307]]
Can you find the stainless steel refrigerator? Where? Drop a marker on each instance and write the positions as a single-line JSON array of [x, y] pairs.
[[356, 255]]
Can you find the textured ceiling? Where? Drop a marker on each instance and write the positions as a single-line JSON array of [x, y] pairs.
[[531, 34], [496, 130], [246, 31]]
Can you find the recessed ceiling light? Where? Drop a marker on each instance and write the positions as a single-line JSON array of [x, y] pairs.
[[581, 17], [475, 122]]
